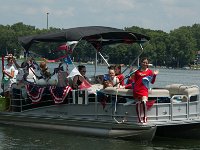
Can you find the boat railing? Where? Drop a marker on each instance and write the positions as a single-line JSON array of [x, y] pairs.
[[20, 101], [166, 106], [183, 104], [118, 104]]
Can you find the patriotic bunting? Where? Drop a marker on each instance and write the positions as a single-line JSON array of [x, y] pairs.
[[59, 93], [34, 92]]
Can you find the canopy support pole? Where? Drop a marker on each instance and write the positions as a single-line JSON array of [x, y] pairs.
[[103, 58], [95, 64]]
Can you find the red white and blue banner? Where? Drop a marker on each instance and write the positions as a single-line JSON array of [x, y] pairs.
[[34, 92], [59, 93]]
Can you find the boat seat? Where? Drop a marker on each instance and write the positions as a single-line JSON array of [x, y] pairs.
[[180, 89], [173, 88], [114, 91], [96, 87], [129, 92], [159, 93]]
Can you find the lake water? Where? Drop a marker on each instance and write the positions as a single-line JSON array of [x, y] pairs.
[[27, 138]]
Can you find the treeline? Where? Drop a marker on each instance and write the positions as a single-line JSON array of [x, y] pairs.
[[175, 49]]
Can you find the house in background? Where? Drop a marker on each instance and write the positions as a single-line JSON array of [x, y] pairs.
[[197, 60]]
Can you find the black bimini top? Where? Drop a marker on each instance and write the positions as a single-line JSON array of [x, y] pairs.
[[98, 36]]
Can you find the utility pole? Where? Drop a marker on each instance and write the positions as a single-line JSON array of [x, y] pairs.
[[47, 20]]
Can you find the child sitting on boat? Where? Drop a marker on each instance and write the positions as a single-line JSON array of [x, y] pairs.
[[110, 79]]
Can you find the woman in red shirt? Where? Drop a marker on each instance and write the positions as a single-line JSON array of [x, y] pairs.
[[119, 75], [142, 77]]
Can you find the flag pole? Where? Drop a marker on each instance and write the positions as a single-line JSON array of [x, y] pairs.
[[2, 63]]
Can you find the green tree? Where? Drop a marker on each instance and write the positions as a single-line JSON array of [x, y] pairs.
[[177, 48], [183, 46]]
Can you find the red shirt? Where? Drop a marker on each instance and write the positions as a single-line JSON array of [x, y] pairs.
[[140, 89], [121, 78]]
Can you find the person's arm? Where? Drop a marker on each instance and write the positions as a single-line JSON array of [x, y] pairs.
[[153, 79], [122, 82], [11, 74], [74, 85], [117, 81], [130, 83], [154, 76], [121, 79], [128, 86]]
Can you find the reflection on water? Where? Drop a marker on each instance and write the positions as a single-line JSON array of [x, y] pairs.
[[28, 138], [160, 143]]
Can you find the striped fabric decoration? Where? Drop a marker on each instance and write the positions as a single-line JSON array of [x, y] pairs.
[[34, 92], [59, 93]]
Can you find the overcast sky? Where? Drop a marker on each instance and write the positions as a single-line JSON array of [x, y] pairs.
[[163, 15]]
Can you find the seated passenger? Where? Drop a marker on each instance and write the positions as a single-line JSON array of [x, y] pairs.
[[26, 70], [119, 75], [99, 79], [44, 71], [106, 78], [111, 79], [78, 79]]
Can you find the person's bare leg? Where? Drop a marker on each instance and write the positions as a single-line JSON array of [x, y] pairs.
[[144, 100], [138, 111]]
